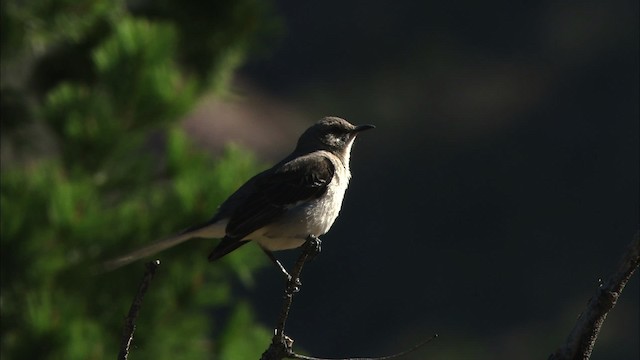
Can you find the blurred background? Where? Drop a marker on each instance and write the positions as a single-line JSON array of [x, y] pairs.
[[500, 185]]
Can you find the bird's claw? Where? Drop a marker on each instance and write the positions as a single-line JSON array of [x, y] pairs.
[[315, 246]]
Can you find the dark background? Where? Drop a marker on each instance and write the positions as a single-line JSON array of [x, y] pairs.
[[500, 184]]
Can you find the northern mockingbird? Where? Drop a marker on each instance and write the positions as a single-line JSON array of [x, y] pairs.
[[298, 198]]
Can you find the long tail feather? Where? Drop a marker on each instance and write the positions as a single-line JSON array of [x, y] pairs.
[[208, 230], [145, 251]]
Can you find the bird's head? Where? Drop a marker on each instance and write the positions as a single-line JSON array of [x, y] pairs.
[[331, 134]]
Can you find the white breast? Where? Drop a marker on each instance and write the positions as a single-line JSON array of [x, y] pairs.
[[309, 218], [324, 211]]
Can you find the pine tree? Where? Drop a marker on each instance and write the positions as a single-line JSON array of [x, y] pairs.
[[94, 163]]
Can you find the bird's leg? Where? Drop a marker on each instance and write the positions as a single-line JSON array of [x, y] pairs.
[[277, 263], [295, 285], [310, 248]]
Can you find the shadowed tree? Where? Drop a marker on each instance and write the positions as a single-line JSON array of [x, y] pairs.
[[94, 163]]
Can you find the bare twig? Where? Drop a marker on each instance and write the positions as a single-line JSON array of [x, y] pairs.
[[281, 345], [134, 310], [388, 357], [580, 342]]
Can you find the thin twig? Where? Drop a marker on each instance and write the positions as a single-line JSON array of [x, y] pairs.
[[281, 345], [387, 357], [310, 247], [134, 310], [582, 339]]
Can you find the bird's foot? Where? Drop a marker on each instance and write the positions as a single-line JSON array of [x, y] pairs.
[[314, 245]]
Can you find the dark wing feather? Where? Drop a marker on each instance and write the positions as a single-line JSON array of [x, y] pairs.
[[224, 247], [301, 179]]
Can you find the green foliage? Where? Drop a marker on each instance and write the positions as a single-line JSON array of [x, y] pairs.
[[241, 339], [95, 164]]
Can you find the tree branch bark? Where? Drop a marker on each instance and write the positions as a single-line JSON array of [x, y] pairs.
[[134, 310], [582, 338], [281, 345]]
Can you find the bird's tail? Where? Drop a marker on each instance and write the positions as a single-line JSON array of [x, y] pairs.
[[209, 230]]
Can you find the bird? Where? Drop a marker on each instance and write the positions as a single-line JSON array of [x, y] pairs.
[[281, 207]]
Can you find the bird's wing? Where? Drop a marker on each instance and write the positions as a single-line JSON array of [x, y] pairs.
[[301, 179]]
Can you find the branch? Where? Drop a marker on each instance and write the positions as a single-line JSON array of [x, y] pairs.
[[134, 310], [281, 345], [388, 357], [580, 342]]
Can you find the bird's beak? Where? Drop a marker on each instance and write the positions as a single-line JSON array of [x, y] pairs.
[[360, 128]]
